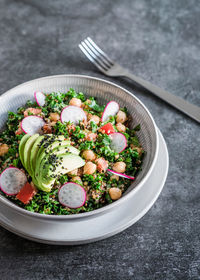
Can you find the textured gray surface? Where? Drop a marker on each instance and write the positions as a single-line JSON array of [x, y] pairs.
[[159, 41]]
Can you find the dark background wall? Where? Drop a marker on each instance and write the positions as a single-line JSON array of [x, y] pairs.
[[159, 41]]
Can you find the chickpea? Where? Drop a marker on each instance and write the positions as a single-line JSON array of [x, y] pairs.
[[71, 128], [120, 127], [96, 195], [52, 124], [95, 119], [83, 123], [3, 149], [102, 131], [89, 155], [54, 117], [75, 102], [115, 193], [85, 106], [47, 128], [19, 130], [89, 116], [89, 168], [73, 172], [91, 136], [80, 171], [121, 117], [114, 177], [76, 179], [102, 164], [33, 111], [138, 149], [119, 166], [88, 101]]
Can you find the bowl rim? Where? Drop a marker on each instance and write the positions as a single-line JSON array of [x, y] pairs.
[[104, 208]]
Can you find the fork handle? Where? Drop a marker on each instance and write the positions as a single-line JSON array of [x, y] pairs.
[[189, 109]]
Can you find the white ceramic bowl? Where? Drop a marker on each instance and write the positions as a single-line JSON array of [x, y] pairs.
[[104, 91]]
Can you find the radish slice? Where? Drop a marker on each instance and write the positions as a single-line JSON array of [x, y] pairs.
[[32, 125], [111, 109], [121, 174], [40, 98], [72, 195], [72, 114], [12, 180], [118, 142]]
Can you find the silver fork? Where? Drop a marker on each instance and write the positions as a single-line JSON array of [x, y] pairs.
[[110, 68]]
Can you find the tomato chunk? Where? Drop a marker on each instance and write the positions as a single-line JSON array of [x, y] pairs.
[[26, 193], [108, 128]]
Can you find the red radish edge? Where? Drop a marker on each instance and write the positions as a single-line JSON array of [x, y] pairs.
[[70, 106], [28, 117], [106, 108], [35, 95], [80, 187], [61, 114], [121, 174], [124, 138], [2, 173]]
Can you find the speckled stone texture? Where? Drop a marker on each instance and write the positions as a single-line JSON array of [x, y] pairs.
[[159, 41]]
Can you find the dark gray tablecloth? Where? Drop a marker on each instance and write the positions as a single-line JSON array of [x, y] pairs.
[[159, 41]]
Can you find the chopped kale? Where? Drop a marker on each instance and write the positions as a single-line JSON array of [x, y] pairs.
[[97, 185]]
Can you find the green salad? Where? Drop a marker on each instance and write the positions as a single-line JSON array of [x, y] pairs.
[[66, 154]]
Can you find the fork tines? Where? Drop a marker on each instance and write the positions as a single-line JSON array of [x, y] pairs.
[[95, 54]]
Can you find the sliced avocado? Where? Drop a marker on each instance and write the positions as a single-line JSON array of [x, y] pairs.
[[27, 151], [45, 152], [44, 142], [21, 147], [56, 145], [47, 144], [46, 187], [35, 182], [38, 145], [66, 149], [48, 140], [34, 151], [33, 157], [56, 151], [56, 165], [68, 162], [43, 187]]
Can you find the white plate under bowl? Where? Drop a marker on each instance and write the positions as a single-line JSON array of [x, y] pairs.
[[99, 227]]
